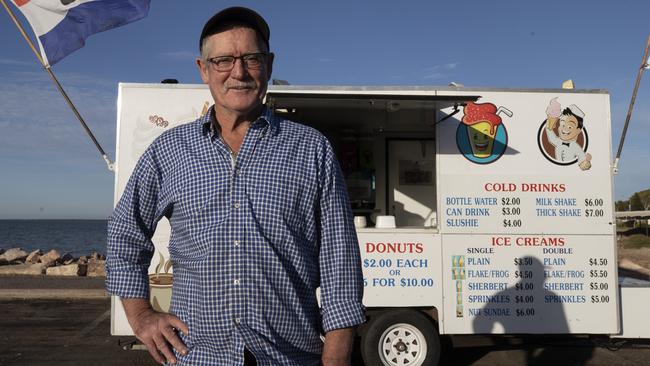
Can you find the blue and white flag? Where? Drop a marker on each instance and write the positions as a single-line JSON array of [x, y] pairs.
[[62, 26]]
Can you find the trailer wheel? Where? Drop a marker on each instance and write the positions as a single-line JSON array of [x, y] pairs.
[[401, 337]]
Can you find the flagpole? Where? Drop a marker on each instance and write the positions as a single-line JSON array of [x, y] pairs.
[[629, 109], [48, 69]]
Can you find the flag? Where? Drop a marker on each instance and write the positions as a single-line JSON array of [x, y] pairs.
[[647, 63], [62, 26]]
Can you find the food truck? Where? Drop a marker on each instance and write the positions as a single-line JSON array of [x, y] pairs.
[[478, 211]]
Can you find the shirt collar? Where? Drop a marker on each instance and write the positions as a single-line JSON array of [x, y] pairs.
[[212, 128]]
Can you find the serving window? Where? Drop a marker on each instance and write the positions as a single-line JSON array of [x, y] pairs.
[[386, 147]]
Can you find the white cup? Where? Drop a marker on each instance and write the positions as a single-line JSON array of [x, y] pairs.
[[360, 221], [385, 222]]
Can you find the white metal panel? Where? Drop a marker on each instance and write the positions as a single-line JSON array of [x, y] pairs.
[[635, 322], [525, 285], [519, 216], [517, 168], [401, 268], [144, 112]]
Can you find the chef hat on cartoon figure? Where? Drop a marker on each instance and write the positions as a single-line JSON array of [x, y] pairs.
[[576, 111]]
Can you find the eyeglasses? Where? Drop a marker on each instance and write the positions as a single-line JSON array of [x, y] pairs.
[[251, 61]]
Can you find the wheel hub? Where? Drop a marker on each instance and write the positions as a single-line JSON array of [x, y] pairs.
[[402, 344]]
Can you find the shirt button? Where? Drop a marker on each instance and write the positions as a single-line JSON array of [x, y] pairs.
[[236, 282], [236, 243], [237, 321], [236, 204]]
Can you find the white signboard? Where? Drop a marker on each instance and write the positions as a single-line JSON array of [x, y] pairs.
[[526, 214], [500, 172], [144, 112], [400, 267], [529, 284]]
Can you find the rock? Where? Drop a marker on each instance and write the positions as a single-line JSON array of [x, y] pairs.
[[67, 258], [2, 251], [34, 256], [97, 256], [23, 269], [96, 268], [75, 269], [50, 258], [14, 254], [83, 259]]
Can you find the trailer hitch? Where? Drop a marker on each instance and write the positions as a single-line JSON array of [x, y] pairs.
[[131, 345]]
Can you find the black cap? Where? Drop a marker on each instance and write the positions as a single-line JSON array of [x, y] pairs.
[[240, 14]]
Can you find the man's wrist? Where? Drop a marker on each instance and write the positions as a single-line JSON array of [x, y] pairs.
[[337, 350], [135, 309]]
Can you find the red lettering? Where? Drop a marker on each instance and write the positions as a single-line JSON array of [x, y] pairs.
[[500, 187], [501, 241], [394, 247], [539, 241], [543, 187]]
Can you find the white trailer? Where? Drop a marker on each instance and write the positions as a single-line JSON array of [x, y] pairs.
[[503, 217]]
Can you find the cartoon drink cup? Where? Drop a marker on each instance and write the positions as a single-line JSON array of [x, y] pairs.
[[160, 286], [483, 122]]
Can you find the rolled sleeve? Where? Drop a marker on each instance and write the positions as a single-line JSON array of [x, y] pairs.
[[339, 257], [130, 229], [344, 314]]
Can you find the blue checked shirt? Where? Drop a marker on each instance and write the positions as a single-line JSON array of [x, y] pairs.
[[252, 238]]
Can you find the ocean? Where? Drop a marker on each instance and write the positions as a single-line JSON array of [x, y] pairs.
[[77, 237]]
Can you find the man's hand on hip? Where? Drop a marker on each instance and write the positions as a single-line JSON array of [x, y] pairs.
[[157, 331]]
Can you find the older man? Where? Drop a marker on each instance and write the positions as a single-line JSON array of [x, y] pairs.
[[260, 219]]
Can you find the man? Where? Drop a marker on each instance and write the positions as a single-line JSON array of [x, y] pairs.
[[260, 218], [565, 141]]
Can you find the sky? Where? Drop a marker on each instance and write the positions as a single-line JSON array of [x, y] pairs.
[[49, 169]]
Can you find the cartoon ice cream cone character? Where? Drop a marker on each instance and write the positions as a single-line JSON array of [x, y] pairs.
[[570, 127], [483, 122]]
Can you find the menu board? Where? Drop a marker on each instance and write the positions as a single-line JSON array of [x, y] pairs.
[[534, 204], [526, 214], [529, 284], [400, 267]]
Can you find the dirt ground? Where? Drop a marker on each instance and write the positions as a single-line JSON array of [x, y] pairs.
[[640, 256], [634, 262], [76, 332]]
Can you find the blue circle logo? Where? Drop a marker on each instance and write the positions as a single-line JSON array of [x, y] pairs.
[[481, 147]]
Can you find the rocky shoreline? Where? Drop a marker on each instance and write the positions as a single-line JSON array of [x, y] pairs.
[[16, 261]]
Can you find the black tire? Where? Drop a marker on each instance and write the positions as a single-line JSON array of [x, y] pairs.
[[401, 337]]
